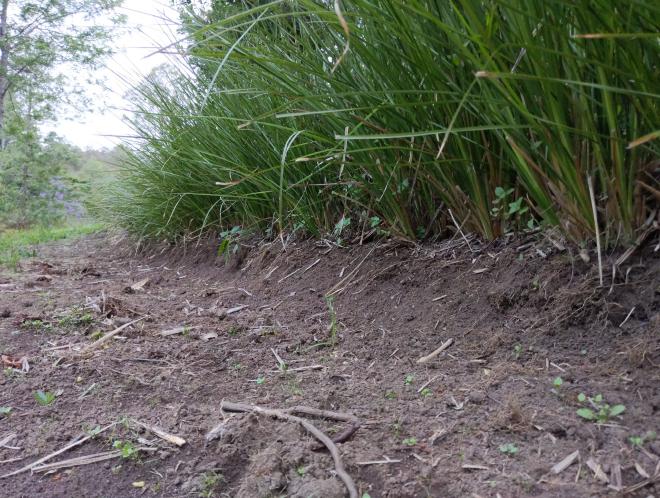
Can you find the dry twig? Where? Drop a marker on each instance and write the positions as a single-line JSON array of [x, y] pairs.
[[429, 357], [309, 427]]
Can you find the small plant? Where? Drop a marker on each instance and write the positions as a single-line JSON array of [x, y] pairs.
[[410, 378], [410, 441], [260, 380], [339, 228], [509, 449], [558, 382], [517, 351], [639, 441], [229, 242], [97, 334], [210, 481], [76, 317], [5, 411], [233, 330], [600, 411], [44, 398], [426, 392], [301, 471], [39, 325], [390, 395], [127, 449], [515, 207], [94, 431]]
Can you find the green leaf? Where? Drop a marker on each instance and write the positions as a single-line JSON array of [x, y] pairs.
[[411, 441], [558, 382], [374, 221], [5, 410], [617, 410], [581, 398], [509, 449], [586, 413], [44, 398], [598, 398]]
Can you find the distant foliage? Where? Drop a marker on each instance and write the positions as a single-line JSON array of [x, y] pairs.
[[422, 115], [34, 185]]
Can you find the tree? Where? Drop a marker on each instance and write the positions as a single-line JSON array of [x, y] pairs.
[[42, 42], [37, 40]]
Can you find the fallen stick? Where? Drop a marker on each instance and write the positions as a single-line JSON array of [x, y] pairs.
[[379, 462], [81, 460], [176, 330], [429, 357], [170, 438], [72, 444], [85, 460], [302, 369], [6, 440], [96, 344], [286, 415]]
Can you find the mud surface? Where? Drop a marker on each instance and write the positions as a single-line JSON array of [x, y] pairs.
[[489, 416]]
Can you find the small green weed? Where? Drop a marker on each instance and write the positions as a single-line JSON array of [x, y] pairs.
[[410, 378], [39, 325], [127, 449], [5, 411], [509, 449], [517, 351], [44, 398], [426, 392], [390, 395], [410, 441], [600, 411], [93, 431], [639, 441], [76, 317], [260, 380], [301, 471], [210, 481], [229, 242]]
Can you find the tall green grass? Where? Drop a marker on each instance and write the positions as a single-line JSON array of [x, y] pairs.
[[414, 115]]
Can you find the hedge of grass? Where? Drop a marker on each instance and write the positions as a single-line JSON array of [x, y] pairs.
[[407, 116]]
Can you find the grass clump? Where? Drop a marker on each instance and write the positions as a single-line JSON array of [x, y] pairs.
[[494, 115], [22, 243]]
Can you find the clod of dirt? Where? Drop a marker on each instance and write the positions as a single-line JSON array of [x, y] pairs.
[[317, 488]]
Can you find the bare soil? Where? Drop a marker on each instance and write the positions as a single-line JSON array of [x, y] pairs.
[[485, 418]]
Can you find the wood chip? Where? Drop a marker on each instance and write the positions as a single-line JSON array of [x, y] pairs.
[[176, 330], [208, 336], [565, 463], [474, 466], [642, 471], [597, 470], [170, 438], [386, 461], [616, 481], [138, 286]]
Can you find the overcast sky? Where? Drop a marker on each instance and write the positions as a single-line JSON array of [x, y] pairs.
[[149, 30]]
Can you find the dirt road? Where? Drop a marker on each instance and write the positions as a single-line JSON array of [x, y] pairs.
[[529, 339]]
